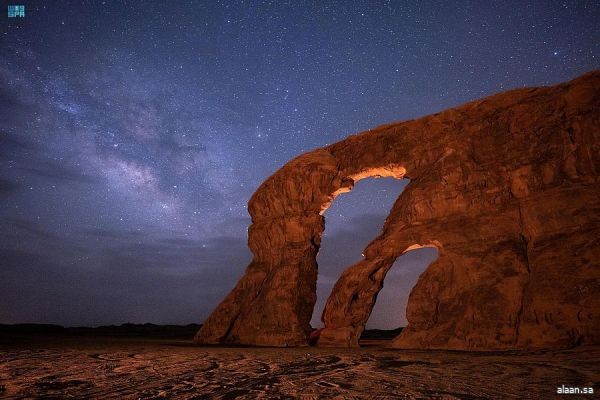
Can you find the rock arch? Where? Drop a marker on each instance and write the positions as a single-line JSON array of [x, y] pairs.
[[352, 299], [506, 188]]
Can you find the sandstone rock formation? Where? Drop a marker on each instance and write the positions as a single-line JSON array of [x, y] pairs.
[[506, 188]]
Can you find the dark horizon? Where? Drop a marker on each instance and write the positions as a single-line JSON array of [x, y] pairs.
[[132, 134]]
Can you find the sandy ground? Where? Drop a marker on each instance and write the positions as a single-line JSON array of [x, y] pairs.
[[145, 369]]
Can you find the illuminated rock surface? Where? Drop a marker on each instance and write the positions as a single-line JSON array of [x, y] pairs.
[[506, 188], [104, 368]]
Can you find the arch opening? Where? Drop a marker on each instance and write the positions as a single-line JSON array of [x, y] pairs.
[[351, 223], [394, 171], [388, 315]]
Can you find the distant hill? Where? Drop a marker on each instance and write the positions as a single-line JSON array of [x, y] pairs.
[[381, 334], [141, 331], [124, 330]]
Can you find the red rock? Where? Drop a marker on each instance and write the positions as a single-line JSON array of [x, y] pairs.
[[506, 188]]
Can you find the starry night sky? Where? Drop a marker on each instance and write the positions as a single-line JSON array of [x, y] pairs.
[[133, 133]]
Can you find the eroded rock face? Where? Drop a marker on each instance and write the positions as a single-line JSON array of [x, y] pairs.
[[506, 188]]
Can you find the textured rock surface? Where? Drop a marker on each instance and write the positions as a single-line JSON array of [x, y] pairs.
[[506, 188], [129, 369]]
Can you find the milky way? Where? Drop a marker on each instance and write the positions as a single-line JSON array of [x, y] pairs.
[[133, 133]]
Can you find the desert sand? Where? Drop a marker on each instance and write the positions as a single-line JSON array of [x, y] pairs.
[[78, 367]]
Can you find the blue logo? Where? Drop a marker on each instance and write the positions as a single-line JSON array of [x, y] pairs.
[[16, 11]]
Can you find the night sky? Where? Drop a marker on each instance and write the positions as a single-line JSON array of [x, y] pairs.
[[133, 133]]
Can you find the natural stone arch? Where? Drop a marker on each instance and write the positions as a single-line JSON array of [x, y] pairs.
[[352, 299], [506, 188], [272, 304], [389, 310]]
